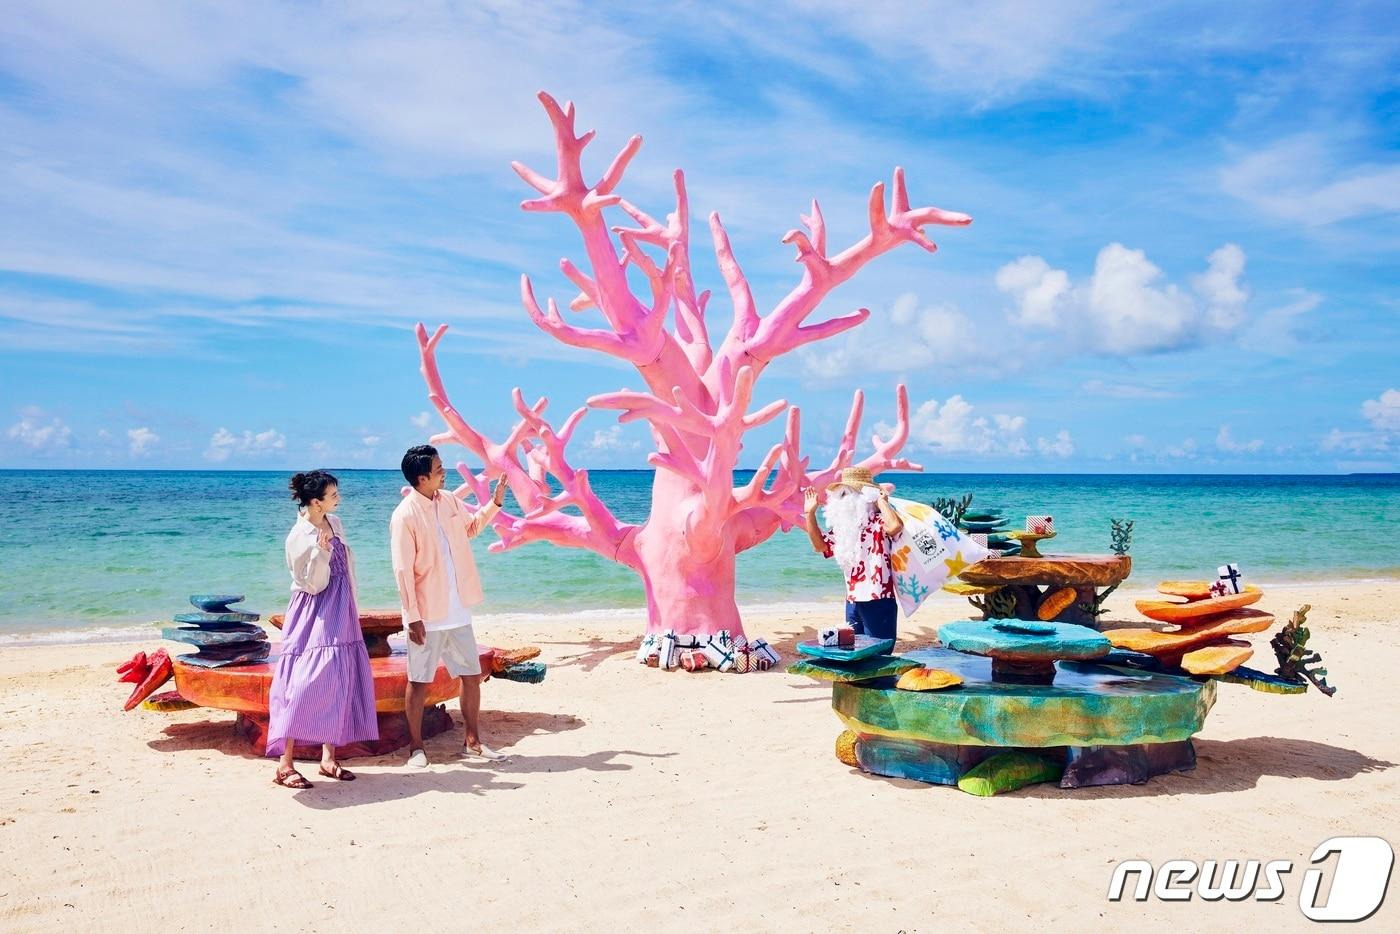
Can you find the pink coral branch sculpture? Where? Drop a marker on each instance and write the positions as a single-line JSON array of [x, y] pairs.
[[697, 399]]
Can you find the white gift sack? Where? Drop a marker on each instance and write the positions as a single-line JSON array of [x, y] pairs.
[[926, 552]]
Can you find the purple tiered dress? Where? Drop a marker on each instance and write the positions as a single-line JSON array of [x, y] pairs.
[[322, 689]]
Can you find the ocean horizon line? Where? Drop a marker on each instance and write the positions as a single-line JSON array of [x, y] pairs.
[[737, 470]]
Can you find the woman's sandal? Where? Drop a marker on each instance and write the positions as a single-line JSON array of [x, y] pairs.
[[291, 778], [339, 773]]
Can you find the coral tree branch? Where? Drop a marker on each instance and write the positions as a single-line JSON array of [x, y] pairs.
[[594, 528]]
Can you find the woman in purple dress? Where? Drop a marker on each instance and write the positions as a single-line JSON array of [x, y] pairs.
[[322, 689]]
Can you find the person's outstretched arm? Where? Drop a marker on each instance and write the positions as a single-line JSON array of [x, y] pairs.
[[814, 532], [893, 524], [483, 516]]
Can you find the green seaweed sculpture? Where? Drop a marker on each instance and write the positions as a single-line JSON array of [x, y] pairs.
[[1094, 608], [1291, 646], [999, 604], [953, 508], [1122, 535]]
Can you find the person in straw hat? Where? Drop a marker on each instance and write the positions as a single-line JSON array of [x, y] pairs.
[[862, 523]]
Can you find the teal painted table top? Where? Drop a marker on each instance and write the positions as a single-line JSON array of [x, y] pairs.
[[865, 647], [877, 666], [1023, 640], [1088, 705]]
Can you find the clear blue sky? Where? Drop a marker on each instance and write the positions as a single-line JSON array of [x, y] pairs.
[[221, 222]]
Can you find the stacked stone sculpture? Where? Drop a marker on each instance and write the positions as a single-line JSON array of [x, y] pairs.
[[222, 635], [1201, 643]]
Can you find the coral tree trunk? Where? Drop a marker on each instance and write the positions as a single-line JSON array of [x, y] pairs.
[[689, 583]]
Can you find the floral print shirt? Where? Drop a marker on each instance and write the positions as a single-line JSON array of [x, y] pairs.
[[870, 577]]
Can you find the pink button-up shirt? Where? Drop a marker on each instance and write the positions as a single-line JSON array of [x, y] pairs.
[[419, 570]]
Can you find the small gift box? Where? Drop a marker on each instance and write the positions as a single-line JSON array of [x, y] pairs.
[[719, 650], [1040, 525], [765, 657], [1229, 575], [980, 538], [667, 650], [837, 636], [694, 660], [743, 656], [649, 649]]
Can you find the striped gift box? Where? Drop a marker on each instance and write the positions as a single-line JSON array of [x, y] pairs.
[[1040, 525]]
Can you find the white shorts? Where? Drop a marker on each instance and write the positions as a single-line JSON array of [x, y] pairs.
[[454, 647]]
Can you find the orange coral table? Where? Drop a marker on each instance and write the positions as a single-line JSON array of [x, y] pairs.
[[244, 689]]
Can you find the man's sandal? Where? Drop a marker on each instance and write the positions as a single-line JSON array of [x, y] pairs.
[[291, 778], [339, 773]]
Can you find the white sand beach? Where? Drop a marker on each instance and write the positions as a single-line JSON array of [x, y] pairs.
[[662, 800]]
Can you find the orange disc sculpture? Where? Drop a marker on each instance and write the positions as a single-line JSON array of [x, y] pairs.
[[244, 689]]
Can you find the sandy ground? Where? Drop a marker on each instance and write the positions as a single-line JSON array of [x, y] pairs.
[[660, 800]]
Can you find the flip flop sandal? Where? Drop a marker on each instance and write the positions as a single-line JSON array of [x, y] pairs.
[[292, 779], [340, 774]]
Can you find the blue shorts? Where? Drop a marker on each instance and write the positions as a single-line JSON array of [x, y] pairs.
[[878, 618]]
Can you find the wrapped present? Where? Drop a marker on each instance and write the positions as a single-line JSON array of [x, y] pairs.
[[1219, 589], [837, 636], [1040, 525], [1229, 575], [694, 660], [765, 656], [666, 653], [719, 650], [979, 537], [743, 656], [649, 649]]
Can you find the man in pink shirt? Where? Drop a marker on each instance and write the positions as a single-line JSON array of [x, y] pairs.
[[437, 580]]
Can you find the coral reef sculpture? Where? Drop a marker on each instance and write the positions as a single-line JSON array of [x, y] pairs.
[[1290, 645], [1122, 532], [952, 507], [697, 396]]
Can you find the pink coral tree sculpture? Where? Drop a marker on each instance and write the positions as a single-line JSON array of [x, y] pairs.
[[697, 398]]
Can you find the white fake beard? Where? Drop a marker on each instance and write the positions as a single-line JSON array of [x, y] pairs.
[[847, 514]]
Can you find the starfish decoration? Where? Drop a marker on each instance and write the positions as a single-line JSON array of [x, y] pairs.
[[955, 564]]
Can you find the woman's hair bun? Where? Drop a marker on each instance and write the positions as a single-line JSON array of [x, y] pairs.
[[308, 486]]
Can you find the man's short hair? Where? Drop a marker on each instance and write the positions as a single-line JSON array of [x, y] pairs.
[[418, 463]]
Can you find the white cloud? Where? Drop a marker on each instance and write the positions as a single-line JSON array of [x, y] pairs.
[[1225, 441], [1220, 288], [611, 439], [1061, 446], [224, 444], [369, 441], [954, 427], [1040, 291], [1125, 307], [1384, 412], [1308, 179], [39, 431], [1098, 387], [908, 337], [1186, 450], [1276, 330], [141, 440], [421, 420]]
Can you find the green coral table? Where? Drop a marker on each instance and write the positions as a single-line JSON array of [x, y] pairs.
[[1106, 724]]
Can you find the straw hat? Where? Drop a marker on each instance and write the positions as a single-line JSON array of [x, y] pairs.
[[854, 477]]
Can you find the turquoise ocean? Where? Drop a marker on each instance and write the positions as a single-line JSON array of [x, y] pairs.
[[87, 555]]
